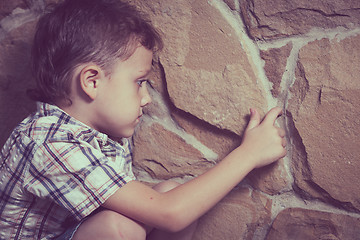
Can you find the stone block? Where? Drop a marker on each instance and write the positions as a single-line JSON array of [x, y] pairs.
[[15, 79], [300, 224], [278, 19], [214, 82], [272, 179], [164, 154], [326, 115], [6, 7], [243, 214], [275, 65]]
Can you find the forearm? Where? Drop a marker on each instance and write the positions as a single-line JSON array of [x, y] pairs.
[[194, 198], [181, 206], [262, 144]]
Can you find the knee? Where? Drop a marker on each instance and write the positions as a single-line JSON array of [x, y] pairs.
[[123, 227], [111, 225], [166, 186]]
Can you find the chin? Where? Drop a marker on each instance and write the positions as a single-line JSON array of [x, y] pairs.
[[120, 134], [127, 134], [123, 131]]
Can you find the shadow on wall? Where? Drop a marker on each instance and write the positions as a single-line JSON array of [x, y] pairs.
[[15, 79]]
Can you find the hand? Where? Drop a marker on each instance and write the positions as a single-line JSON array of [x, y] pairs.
[[263, 141]]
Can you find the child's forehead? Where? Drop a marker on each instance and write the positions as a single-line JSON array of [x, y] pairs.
[[141, 62]]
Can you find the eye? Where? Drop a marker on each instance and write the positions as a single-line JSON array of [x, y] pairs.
[[140, 82]]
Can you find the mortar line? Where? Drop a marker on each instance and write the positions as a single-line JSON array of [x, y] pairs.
[[249, 46], [169, 124]]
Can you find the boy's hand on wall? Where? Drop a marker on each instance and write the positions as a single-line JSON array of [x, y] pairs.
[[263, 141]]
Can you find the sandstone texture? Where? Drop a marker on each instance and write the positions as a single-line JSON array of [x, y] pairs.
[[327, 118], [8, 6], [275, 65], [197, 70], [299, 224], [241, 215], [222, 57], [15, 78], [279, 19], [154, 142]]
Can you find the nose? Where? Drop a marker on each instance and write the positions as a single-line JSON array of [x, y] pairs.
[[146, 98]]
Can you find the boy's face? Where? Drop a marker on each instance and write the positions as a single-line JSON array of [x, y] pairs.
[[123, 95]]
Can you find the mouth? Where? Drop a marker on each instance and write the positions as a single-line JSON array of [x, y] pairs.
[[138, 119]]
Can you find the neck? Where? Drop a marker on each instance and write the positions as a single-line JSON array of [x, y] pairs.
[[79, 111]]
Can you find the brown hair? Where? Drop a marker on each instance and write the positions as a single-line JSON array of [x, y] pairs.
[[82, 31]]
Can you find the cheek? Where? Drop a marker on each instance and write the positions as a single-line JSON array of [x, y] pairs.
[[124, 99]]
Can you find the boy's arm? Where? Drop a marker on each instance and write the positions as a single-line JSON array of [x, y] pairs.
[[174, 210]]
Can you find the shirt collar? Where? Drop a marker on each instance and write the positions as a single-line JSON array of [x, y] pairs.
[[46, 109]]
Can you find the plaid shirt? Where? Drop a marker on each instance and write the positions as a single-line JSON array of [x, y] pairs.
[[54, 169]]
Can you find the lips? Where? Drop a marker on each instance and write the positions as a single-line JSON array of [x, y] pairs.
[[138, 119]]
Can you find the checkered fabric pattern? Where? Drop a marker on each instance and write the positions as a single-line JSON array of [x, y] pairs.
[[55, 170]]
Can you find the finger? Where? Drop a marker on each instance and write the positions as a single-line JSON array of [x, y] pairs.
[[272, 115], [254, 119]]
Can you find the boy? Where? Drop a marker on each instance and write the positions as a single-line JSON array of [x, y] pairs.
[[62, 174]]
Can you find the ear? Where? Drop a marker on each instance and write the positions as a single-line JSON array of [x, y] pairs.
[[90, 77]]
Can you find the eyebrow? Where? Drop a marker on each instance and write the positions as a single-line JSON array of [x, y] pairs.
[[145, 72]]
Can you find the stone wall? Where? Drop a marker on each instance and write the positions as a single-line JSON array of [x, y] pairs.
[[220, 59]]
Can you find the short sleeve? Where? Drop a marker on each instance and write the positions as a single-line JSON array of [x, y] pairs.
[[76, 175]]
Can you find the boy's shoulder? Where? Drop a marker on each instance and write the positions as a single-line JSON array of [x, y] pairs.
[[50, 123]]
